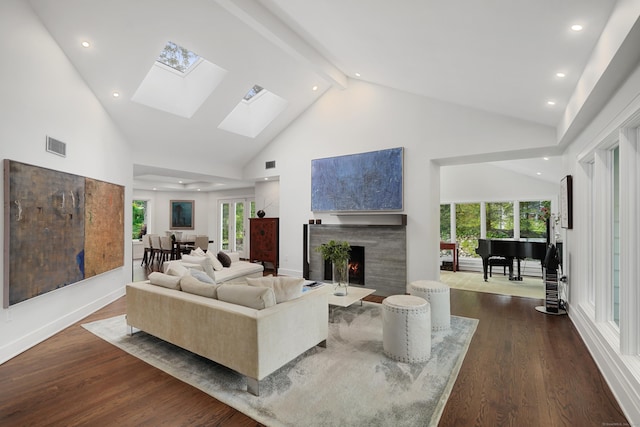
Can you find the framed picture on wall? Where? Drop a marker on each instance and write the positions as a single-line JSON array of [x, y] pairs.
[[566, 202], [181, 214]]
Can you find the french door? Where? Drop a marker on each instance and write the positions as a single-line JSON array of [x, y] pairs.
[[234, 217]]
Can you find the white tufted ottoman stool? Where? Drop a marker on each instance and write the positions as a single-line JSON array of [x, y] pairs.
[[406, 328], [437, 294]]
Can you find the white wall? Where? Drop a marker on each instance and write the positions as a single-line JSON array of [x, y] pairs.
[[159, 213], [42, 94], [366, 117], [268, 197], [481, 182]]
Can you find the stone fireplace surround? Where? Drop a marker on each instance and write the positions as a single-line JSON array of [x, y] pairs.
[[385, 253]]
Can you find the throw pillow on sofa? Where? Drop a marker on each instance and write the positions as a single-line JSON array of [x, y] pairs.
[[198, 252], [164, 280], [204, 262], [177, 269], [194, 286], [284, 288], [248, 296], [202, 276], [217, 265], [224, 259]]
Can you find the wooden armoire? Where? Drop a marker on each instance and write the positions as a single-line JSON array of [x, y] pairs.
[[264, 233]]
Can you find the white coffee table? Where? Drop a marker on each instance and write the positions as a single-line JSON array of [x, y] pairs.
[[354, 294]]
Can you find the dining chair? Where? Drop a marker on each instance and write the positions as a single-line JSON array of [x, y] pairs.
[[166, 249], [156, 250], [202, 242], [146, 244]]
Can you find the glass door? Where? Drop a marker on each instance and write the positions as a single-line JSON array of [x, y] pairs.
[[234, 225]]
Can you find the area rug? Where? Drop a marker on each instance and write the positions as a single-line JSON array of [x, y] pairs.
[[349, 383], [529, 287]]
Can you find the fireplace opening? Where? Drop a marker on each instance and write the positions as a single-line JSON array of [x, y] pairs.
[[356, 267]]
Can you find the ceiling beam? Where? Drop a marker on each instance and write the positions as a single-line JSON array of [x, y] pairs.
[[261, 20]]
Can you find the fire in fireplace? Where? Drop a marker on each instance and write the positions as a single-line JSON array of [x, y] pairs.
[[356, 267]]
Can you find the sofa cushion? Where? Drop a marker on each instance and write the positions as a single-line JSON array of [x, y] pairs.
[[233, 256], [217, 265], [284, 288], [194, 286], [177, 269], [164, 280], [248, 296], [205, 262], [201, 276], [224, 259]]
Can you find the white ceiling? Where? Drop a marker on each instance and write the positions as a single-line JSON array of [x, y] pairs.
[[495, 55]]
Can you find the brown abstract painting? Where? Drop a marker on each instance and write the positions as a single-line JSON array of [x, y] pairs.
[[104, 213], [60, 228]]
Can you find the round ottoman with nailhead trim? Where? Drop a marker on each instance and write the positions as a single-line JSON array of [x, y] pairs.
[[437, 293], [406, 328]]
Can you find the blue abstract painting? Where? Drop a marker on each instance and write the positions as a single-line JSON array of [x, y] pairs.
[[366, 182]]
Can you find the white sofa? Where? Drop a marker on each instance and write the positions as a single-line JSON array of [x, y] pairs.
[[253, 342], [235, 273]]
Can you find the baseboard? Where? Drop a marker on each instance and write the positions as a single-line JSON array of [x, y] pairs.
[[621, 372], [12, 349]]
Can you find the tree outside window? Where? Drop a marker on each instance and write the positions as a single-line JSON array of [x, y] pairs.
[[468, 228], [445, 223], [225, 226], [139, 217], [499, 220], [532, 222]]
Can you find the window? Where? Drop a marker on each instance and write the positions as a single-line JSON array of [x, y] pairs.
[[177, 57], [615, 171], [532, 222], [139, 218], [252, 92], [468, 228], [499, 220], [234, 224]]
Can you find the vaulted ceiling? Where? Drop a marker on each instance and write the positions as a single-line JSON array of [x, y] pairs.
[[501, 56]]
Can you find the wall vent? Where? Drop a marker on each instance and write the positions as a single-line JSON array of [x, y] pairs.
[[270, 164], [56, 147]]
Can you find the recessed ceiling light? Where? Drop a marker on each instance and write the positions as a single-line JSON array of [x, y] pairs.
[[154, 188], [545, 158], [551, 102], [576, 27], [85, 44], [116, 94], [198, 189], [561, 75], [357, 74], [314, 88], [266, 179], [179, 182], [538, 173]]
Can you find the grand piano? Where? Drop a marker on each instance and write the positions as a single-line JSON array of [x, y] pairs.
[[511, 249]]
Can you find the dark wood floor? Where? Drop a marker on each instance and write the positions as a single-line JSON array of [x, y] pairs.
[[523, 368]]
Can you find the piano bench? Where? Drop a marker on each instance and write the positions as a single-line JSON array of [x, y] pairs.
[[498, 262]]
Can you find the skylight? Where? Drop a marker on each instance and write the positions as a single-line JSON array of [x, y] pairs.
[[254, 112], [252, 92], [178, 82], [177, 57]]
